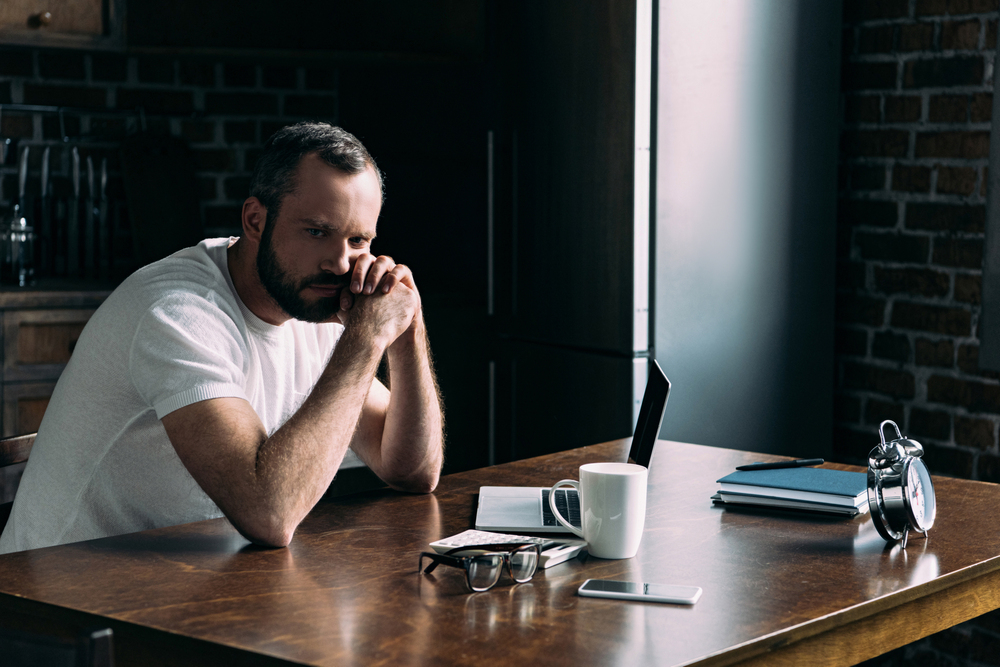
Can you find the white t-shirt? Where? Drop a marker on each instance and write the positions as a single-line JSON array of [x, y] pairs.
[[174, 333]]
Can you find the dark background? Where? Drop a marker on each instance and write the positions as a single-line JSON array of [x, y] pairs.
[[422, 83]]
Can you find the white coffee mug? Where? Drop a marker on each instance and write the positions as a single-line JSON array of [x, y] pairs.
[[612, 507]]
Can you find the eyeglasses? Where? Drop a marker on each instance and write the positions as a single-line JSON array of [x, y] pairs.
[[482, 570]]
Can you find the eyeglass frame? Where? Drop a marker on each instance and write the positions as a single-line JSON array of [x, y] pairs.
[[462, 562]]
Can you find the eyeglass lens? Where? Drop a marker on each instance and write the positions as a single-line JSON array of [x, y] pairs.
[[484, 571], [522, 564]]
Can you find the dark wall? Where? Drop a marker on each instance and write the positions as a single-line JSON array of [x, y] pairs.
[[421, 116], [222, 108], [917, 101]]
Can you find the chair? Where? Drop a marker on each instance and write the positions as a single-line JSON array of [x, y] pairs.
[[93, 648], [13, 455]]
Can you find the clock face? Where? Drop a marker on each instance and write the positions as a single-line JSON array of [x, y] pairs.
[[920, 495], [917, 497]]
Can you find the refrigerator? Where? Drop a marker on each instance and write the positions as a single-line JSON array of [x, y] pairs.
[[517, 190], [568, 228]]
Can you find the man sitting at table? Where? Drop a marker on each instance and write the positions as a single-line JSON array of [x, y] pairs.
[[236, 377]]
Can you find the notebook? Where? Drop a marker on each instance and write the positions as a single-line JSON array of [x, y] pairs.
[[526, 508], [816, 489], [823, 485], [786, 503]]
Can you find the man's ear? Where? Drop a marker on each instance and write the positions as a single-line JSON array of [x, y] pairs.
[[254, 218]]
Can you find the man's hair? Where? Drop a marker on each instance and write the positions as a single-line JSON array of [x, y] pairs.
[[274, 174]]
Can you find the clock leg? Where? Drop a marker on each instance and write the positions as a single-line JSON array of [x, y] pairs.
[[906, 534]]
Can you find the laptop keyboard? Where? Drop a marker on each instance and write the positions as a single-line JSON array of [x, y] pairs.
[[568, 503]]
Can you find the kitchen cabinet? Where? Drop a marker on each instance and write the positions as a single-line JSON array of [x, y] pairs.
[[63, 23], [39, 329], [395, 30], [432, 29]]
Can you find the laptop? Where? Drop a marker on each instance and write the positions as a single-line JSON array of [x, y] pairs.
[[525, 509]]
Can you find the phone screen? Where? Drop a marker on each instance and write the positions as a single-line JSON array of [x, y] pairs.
[[633, 587], [668, 591], [663, 591]]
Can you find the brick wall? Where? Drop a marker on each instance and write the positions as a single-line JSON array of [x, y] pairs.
[[225, 110], [917, 103]]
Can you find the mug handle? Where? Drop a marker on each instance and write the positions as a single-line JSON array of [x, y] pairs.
[[552, 504]]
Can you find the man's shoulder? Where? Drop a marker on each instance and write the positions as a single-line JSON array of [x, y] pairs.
[[202, 264], [197, 272]]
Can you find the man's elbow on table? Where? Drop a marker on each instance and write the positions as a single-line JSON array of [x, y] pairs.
[[273, 531], [422, 482]]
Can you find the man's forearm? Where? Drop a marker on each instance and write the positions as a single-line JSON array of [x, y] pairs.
[[296, 464], [266, 485], [412, 450]]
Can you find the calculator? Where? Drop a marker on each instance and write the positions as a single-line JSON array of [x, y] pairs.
[[554, 551]]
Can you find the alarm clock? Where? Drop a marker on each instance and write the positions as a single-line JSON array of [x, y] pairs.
[[900, 491]]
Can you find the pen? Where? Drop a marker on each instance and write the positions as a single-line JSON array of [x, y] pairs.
[[797, 463]]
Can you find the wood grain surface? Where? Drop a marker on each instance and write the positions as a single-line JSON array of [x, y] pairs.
[[779, 587]]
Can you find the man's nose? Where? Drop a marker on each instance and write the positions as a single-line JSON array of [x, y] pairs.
[[338, 262]]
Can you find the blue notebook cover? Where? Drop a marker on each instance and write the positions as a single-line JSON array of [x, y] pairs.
[[814, 480]]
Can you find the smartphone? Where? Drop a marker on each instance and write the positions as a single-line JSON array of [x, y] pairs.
[[633, 590]]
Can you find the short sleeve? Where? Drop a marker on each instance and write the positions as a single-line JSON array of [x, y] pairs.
[[187, 349]]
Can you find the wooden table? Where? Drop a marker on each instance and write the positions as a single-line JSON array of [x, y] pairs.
[[779, 587]]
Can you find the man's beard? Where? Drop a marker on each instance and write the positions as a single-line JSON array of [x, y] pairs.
[[287, 293]]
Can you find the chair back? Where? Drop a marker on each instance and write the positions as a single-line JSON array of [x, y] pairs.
[[13, 455]]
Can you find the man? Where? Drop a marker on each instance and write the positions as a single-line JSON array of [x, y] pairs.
[[236, 377]]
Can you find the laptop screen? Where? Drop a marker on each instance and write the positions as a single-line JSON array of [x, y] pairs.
[[647, 428]]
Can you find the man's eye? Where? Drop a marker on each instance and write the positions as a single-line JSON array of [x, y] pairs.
[[359, 240], [314, 232]]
